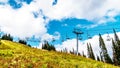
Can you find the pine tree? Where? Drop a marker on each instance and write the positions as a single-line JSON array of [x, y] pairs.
[[98, 59], [105, 55], [101, 57], [83, 54], [7, 37], [116, 46], [47, 46], [115, 56], [90, 52], [116, 36]]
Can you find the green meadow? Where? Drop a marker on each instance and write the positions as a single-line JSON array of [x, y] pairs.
[[16, 55]]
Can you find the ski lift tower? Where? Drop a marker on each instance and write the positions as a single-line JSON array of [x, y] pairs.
[[77, 32]]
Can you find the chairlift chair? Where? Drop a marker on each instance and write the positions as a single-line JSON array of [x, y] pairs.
[[80, 37], [67, 37], [53, 39], [88, 35], [108, 37]]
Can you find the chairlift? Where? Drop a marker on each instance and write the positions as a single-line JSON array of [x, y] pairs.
[[108, 37], [62, 40], [88, 35], [80, 37], [67, 37], [53, 39]]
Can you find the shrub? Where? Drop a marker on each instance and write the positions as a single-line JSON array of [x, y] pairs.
[[7, 37], [22, 42], [47, 46]]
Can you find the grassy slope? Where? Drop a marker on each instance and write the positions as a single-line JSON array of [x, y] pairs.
[[15, 55]]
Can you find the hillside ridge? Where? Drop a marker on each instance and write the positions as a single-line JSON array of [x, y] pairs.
[[16, 55]]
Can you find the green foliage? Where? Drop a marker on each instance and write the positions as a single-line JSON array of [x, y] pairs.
[[115, 56], [7, 37], [17, 55], [101, 57], [29, 45], [98, 59], [104, 52], [116, 49], [83, 54], [22, 42], [90, 51], [47, 46]]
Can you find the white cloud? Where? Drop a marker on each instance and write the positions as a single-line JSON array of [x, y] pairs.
[[50, 38], [21, 22], [69, 8], [3, 0], [70, 44], [56, 35], [91, 10]]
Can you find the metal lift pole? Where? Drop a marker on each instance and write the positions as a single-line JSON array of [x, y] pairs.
[[77, 32]]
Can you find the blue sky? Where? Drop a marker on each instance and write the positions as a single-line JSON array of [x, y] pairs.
[[48, 19], [65, 26]]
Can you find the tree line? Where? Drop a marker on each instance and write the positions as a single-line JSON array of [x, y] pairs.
[[10, 38], [46, 45], [104, 56]]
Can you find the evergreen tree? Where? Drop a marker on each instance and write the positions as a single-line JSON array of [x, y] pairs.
[[7, 37], [47, 46], [116, 49], [115, 56], [105, 55], [72, 52], [22, 42], [116, 37], [90, 52], [101, 57], [98, 59], [83, 54]]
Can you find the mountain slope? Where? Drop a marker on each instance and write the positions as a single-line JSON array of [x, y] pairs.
[[16, 55]]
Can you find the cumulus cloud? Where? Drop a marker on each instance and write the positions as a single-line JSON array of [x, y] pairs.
[[15, 20], [26, 21], [20, 22], [50, 38], [3, 0], [91, 10], [99, 12], [70, 44]]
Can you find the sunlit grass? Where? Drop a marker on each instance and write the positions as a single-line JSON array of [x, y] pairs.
[[15, 55]]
